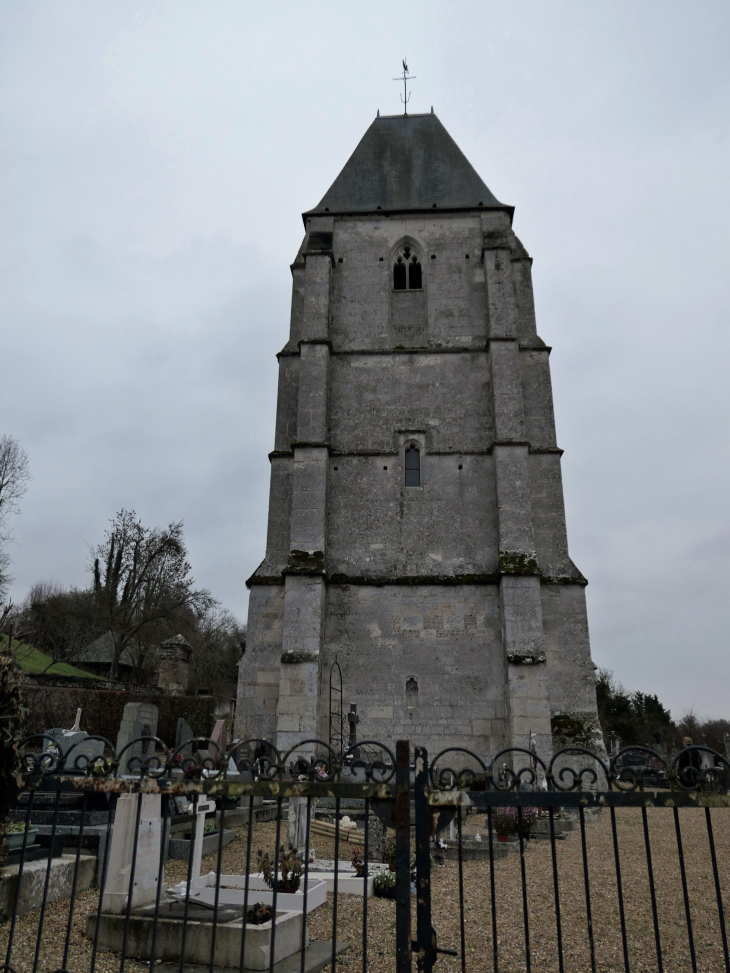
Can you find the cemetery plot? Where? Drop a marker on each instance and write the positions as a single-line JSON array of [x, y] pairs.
[[445, 886], [553, 901]]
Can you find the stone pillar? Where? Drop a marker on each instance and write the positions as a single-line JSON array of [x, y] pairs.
[[297, 713], [174, 666], [520, 599]]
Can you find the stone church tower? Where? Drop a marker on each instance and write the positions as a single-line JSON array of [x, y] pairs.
[[416, 521]]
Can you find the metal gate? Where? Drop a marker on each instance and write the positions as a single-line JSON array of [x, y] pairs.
[[420, 801], [576, 780]]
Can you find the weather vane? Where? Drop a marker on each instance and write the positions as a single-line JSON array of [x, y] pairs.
[[405, 78]]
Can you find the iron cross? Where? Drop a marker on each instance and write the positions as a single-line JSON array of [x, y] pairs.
[[405, 97]]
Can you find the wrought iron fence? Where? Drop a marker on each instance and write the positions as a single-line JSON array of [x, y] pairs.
[[528, 894]]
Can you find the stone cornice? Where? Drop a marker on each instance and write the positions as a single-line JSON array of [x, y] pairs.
[[384, 581], [399, 350], [315, 341], [487, 451]]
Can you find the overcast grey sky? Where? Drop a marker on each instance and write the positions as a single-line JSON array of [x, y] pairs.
[[156, 158]]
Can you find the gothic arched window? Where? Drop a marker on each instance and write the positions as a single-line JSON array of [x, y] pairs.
[[407, 270], [413, 467]]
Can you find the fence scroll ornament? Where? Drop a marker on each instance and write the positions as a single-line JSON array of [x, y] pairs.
[[202, 758], [633, 768]]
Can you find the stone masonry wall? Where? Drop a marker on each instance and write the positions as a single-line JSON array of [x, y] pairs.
[[447, 639], [462, 587]]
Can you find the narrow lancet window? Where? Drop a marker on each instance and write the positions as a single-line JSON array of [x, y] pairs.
[[399, 274], [413, 467], [407, 270], [411, 694]]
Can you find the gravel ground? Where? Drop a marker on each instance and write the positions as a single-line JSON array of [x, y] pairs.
[[477, 903]]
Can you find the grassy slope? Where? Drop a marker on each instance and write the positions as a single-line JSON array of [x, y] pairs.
[[33, 661]]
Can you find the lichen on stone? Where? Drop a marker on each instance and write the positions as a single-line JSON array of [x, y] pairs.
[[575, 729], [305, 562], [518, 562], [291, 657], [525, 658]]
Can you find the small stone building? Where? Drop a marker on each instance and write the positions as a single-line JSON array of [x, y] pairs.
[[416, 523]]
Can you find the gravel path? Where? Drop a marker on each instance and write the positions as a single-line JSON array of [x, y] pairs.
[[477, 900]]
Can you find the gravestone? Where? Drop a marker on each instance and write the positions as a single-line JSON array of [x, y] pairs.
[[183, 735], [119, 866], [218, 741], [139, 720], [74, 747], [296, 827]]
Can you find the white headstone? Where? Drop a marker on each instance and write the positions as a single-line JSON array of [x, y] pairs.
[[149, 846], [296, 828], [203, 808]]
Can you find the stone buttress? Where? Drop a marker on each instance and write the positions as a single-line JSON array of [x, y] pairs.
[[416, 527]]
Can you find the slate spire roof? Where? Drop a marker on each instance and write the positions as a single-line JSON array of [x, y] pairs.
[[406, 162]]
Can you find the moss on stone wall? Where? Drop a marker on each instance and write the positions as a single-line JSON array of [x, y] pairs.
[[518, 562], [575, 729], [305, 562]]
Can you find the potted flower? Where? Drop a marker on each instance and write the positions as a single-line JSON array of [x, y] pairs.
[[384, 885], [506, 822], [358, 864], [290, 865], [14, 837], [258, 914], [389, 853]]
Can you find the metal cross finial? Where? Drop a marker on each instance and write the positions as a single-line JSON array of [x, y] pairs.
[[405, 78]]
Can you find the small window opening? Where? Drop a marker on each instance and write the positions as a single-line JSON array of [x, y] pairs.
[[466, 256], [339, 260], [380, 259], [413, 467], [385, 467], [335, 469], [411, 694], [460, 466], [407, 270], [433, 256]]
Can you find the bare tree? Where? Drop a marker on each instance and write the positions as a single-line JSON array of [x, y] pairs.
[[218, 640], [142, 583], [59, 621], [14, 477]]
